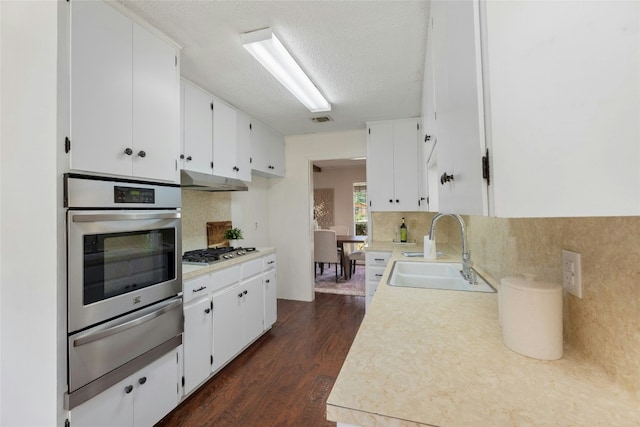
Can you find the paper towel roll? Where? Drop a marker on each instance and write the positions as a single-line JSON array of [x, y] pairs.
[[531, 313], [429, 248]]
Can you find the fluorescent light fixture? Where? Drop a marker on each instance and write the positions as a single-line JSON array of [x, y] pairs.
[[267, 49]]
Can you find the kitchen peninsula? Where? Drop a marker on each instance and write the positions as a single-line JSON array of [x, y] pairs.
[[433, 357]]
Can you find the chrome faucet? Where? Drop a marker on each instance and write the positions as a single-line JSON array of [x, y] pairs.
[[466, 272]]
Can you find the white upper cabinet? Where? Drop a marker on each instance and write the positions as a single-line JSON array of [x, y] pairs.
[[197, 129], [216, 136], [551, 89], [564, 108], [392, 165], [267, 151], [459, 114], [124, 96]]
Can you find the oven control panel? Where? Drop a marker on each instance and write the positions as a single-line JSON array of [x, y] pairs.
[[133, 195]]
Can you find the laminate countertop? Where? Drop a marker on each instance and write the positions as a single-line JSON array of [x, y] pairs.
[[436, 358], [190, 271]]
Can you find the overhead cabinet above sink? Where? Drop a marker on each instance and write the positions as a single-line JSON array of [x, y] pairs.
[[560, 124]]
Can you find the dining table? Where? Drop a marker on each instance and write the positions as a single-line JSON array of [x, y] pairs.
[[341, 240]]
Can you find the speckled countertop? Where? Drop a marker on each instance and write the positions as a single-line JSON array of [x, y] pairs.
[[433, 357], [190, 271]]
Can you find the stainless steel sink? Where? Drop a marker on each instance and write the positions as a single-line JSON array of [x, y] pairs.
[[435, 275]]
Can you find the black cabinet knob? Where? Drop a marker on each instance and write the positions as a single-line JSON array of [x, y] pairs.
[[128, 389], [267, 281], [445, 178], [427, 138], [128, 151], [181, 156], [245, 292], [240, 295], [390, 200], [235, 168], [207, 311], [397, 200], [142, 380], [189, 158], [141, 153]]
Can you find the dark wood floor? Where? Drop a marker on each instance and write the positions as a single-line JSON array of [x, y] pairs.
[[285, 377]]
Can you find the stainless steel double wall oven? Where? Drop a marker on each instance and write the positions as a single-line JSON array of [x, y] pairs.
[[124, 279]]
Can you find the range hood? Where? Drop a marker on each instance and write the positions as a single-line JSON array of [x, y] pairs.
[[190, 180]]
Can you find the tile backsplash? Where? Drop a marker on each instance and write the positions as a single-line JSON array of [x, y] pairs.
[[603, 326], [198, 208]]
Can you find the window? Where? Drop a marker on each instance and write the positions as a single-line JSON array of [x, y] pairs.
[[360, 216]]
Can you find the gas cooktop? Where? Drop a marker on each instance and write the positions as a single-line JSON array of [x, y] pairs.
[[213, 255]]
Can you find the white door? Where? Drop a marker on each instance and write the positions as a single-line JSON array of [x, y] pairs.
[[101, 89], [252, 308], [198, 129], [380, 191], [243, 146], [224, 139], [112, 407], [197, 343], [155, 390], [460, 113], [156, 107], [227, 325], [270, 298], [405, 165]]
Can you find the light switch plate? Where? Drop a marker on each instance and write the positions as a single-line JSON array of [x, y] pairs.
[[572, 273]]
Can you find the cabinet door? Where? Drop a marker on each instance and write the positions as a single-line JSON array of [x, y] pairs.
[[267, 151], [460, 112], [276, 153], [155, 390], [270, 298], [380, 190], [198, 129], [252, 308], [156, 107], [101, 89], [405, 165], [227, 325], [243, 146], [224, 139], [112, 407], [197, 343]]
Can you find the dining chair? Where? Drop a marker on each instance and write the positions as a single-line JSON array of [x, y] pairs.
[[324, 250], [341, 230], [356, 257]]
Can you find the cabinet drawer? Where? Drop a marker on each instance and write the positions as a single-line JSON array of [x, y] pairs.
[[374, 274], [269, 262], [197, 287], [223, 278], [251, 268], [377, 258]]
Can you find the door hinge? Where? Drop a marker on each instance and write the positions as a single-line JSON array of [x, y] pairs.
[[250, 160], [183, 381], [67, 144], [176, 57], [485, 167], [211, 305], [418, 126], [250, 126], [211, 360], [369, 131], [212, 106], [369, 203], [211, 165]]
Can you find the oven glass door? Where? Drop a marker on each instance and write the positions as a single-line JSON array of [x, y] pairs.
[[121, 261], [117, 263]]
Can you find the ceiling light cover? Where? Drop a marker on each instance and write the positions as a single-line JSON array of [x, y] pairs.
[[269, 51]]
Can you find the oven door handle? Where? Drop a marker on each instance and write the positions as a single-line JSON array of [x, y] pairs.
[[127, 325], [123, 217]]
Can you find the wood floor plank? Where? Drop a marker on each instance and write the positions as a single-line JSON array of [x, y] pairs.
[[284, 378]]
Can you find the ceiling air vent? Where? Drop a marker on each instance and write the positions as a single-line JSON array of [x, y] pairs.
[[322, 119]]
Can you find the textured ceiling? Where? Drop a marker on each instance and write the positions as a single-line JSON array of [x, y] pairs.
[[366, 57]]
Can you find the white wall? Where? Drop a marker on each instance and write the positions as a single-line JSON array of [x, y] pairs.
[[341, 180], [249, 212], [291, 206], [28, 195]]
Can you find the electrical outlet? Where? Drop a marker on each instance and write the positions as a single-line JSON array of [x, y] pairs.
[[572, 273]]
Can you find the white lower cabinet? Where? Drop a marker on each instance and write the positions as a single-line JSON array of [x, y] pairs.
[[140, 400], [376, 263], [224, 312]]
